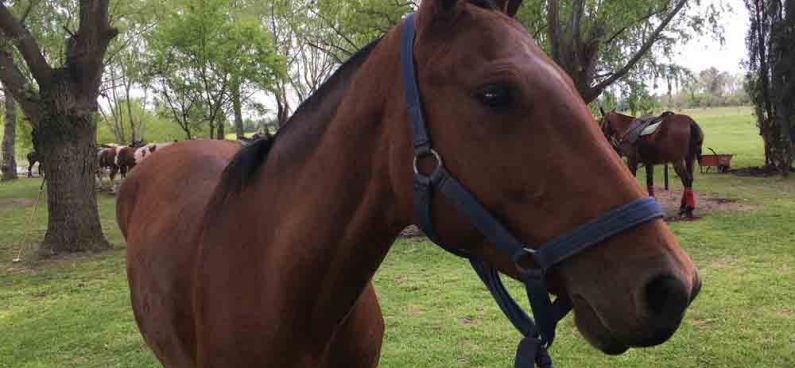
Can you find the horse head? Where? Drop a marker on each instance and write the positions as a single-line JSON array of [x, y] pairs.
[[137, 143], [509, 124]]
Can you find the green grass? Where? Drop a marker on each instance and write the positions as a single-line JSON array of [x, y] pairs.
[[75, 312], [731, 130]]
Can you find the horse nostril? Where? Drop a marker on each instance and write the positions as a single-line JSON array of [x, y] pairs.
[[667, 296]]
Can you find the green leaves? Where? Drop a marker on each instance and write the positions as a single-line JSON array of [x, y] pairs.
[[202, 48], [602, 42]]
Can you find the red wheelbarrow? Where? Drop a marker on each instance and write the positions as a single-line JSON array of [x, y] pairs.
[[721, 161]]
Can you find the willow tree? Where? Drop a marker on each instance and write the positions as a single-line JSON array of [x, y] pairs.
[[771, 77], [61, 102], [601, 43]]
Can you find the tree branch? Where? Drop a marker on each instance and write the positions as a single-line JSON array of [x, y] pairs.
[[329, 52], [16, 84], [641, 52], [623, 29], [12, 28], [85, 50]]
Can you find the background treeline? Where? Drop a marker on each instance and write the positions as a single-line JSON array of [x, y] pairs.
[[217, 68], [707, 88]]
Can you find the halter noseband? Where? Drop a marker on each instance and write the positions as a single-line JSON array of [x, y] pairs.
[[538, 336]]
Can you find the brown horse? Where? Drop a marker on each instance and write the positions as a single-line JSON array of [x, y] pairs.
[[125, 157], [106, 162], [677, 140], [269, 264]]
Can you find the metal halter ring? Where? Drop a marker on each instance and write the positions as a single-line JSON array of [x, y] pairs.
[[536, 272], [418, 157]]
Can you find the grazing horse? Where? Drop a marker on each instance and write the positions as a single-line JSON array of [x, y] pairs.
[[143, 152], [267, 260], [125, 157], [33, 158], [669, 138], [106, 161]]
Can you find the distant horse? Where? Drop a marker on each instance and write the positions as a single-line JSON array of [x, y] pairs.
[[33, 158], [673, 138], [125, 157], [143, 152], [265, 258], [106, 162]]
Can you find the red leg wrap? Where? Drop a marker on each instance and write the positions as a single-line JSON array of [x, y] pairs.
[[689, 198], [651, 190]]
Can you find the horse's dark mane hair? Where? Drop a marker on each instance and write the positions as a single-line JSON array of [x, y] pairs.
[[244, 167]]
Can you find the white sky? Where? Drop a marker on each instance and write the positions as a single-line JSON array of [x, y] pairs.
[[704, 52]]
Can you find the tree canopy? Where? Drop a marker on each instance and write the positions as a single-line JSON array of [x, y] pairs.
[[202, 64]]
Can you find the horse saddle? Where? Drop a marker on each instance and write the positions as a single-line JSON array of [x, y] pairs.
[[644, 126]]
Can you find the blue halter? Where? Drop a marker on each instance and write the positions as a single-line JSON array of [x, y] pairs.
[[538, 336]]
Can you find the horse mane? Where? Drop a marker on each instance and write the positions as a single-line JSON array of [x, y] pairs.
[[307, 124], [309, 118]]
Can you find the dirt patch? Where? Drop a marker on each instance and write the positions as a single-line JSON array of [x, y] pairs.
[[757, 172], [413, 310], [706, 204], [16, 202], [702, 324], [411, 232], [669, 200], [467, 320], [723, 262]]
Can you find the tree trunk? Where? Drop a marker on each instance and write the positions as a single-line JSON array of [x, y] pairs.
[[238, 110], [63, 113], [67, 144], [783, 82], [9, 166], [220, 129], [282, 110]]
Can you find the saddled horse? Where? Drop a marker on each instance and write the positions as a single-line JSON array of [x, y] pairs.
[[669, 138], [264, 257]]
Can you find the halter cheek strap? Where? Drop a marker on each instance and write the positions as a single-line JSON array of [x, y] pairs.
[[539, 335]]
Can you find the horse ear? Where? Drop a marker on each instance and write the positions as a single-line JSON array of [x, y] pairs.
[[434, 8], [509, 7], [431, 11]]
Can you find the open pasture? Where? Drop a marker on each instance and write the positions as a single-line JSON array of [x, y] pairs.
[[74, 311]]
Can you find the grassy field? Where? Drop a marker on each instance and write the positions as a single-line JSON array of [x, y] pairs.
[[75, 312]]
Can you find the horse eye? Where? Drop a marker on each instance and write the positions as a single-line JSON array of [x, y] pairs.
[[495, 96]]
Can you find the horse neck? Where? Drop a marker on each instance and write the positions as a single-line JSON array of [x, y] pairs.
[[621, 123], [325, 211]]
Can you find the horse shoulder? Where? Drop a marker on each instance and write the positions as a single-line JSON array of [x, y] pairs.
[[160, 217]]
